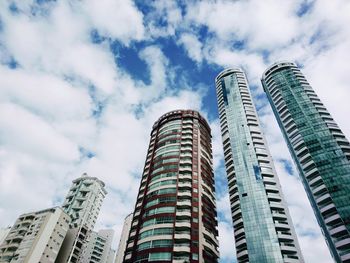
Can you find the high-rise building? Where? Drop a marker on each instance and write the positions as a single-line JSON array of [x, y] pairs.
[[175, 213], [319, 149], [123, 239], [82, 204], [98, 247], [35, 237], [262, 225]]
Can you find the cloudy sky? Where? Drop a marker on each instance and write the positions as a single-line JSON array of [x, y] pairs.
[[81, 83]]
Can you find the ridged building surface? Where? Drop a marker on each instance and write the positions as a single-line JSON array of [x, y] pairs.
[[175, 212], [262, 225], [320, 151]]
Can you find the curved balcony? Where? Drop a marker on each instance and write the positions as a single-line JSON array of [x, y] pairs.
[[279, 216], [325, 197], [331, 219], [183, 224], [274, 197], [237, 222], [282, 227], [143, 229], [269, 180], [311, 172], [271, 188], [241, 242], [183, 213], [186, 203], [239, 231], [237, 213], [338, 230], [151, 238], [211, 247], [184, 185], [343, 243], [327, 208], [305, 157], [184, 193], [242, 254], [291, 260], [182, 236], [288, 249], [185, 169], [285, 237], [211, 235], [346, 257], [182, 249], [316, 180], [319, 189], [276, 205]]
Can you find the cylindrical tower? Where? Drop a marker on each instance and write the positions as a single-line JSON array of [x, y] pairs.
[[175, 212], [319, 149], [263, 228]]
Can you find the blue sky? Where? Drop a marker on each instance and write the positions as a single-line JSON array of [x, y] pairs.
[[82, 82]]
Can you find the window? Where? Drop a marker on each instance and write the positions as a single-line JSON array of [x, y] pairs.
[[159, 256], [158, 220], [156, 232], [159, 210]]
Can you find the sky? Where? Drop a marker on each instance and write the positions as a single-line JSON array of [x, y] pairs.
[[82, 82]]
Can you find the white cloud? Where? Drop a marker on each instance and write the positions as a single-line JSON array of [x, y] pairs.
[[164, 18], [157, 64], [226, 242], [44, 94], [47, 103], [192, 45], [274, 25], [117, 19], [26, 132]]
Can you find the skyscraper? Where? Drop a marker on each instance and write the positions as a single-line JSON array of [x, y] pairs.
[[262, 226], [319, 149], [175, 213], [35, 237], [82, 204], [123, 239]]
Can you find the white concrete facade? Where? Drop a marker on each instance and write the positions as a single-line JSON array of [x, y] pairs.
[[3, 233], [36, 237], [84, 201], [123, 239], [99, 247]]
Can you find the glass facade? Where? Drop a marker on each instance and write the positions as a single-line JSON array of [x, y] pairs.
[[175, 213], [262, 225], [319, 148]]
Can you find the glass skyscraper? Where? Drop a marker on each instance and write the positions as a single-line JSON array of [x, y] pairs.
[[175, 213], [320, 151], [262, 226]]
